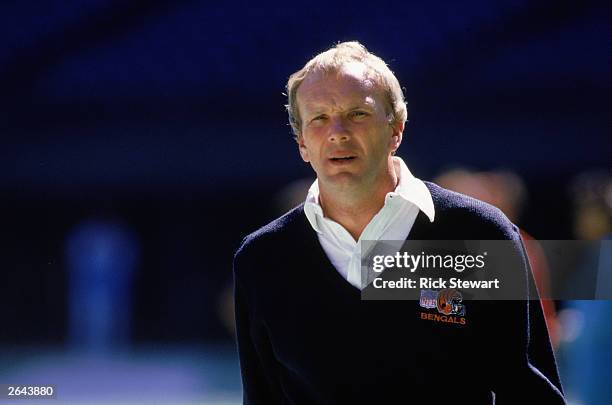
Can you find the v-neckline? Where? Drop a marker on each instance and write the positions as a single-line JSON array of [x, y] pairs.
[[319, 256]]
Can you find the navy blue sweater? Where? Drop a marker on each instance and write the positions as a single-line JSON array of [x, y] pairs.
[[305, 337]]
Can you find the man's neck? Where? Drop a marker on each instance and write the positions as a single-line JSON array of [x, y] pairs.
[[354, 207]]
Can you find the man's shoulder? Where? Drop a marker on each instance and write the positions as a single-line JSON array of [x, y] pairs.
[[460, 210], [273, 234]]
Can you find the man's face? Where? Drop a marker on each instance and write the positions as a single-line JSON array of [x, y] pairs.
[[346, 134]]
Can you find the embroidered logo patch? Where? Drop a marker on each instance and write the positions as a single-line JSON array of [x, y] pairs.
[[448, 302], [428, 299]]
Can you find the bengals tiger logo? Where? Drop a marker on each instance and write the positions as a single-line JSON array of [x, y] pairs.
[[449, 302]]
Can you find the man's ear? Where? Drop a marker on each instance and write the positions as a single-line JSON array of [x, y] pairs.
[[396, 135], [302, 148]]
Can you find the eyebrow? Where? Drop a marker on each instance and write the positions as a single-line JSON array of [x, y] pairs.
[[316, 109]]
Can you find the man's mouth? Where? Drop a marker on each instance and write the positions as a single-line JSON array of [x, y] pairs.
[[342, 159]]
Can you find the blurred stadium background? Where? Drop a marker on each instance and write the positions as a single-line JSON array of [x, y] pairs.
[[141, 140]]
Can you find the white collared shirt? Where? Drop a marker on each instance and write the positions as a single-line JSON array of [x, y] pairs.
[[393, 222]]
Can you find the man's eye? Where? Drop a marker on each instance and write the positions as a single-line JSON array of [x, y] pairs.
[[319, 118], [359, 114]]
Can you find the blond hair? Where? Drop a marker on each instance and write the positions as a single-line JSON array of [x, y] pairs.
[[332, 60]]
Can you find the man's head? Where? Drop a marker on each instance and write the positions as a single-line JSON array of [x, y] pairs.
[[348, 112], [331, 61]]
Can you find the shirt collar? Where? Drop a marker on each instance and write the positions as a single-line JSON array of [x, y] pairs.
[[412, 189], [312, 208], [409, 188]]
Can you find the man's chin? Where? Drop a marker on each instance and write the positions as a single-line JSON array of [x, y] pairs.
[[342, 179]]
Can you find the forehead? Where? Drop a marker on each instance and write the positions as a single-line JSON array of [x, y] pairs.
[[351, 84]]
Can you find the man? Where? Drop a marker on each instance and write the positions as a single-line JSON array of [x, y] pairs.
[[304, 335]]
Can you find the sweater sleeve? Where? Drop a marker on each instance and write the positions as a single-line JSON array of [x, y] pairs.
[[257, 363], [532, 376]]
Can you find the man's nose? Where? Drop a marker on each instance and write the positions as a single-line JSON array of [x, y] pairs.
[[338, 131]]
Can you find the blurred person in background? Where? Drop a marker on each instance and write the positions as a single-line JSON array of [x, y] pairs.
[[507, 191], [304, 335], [586, 342]]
